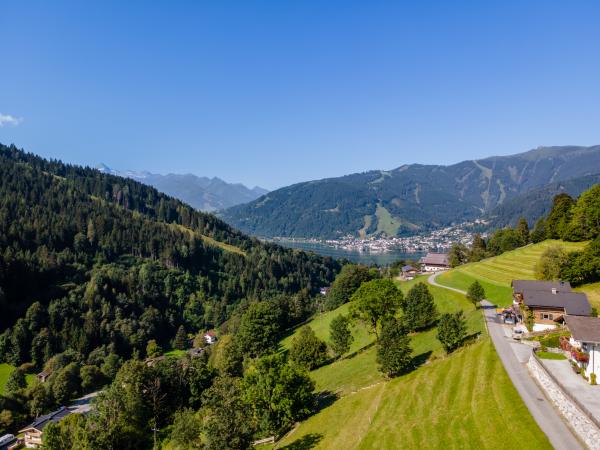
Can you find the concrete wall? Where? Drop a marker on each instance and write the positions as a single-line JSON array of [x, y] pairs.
[[586, 430]]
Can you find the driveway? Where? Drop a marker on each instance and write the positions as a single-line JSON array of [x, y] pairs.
[[548, 418], [585, 393]]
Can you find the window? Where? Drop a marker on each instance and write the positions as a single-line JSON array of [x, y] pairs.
[[547, 316]]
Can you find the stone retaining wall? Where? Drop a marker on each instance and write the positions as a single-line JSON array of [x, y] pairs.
[[586, 430]]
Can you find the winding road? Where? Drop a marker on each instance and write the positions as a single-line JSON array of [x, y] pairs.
[[514, 360]]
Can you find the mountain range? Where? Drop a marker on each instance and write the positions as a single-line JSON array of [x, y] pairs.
[[411, 198], [203, 193]]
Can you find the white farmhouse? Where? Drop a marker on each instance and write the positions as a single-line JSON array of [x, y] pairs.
[[433, 262], [585, 343]]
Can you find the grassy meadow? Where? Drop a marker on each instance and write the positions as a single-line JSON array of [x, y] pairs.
[[459, 402], [464, 400], [5, 371], [495, 274]]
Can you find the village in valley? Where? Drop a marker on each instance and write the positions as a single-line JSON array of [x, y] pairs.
[[440, 240]]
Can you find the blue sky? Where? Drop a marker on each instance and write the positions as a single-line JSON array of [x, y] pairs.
[[273, 93]]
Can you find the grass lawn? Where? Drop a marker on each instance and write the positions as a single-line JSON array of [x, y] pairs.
[[176, 353], [463, 401], [495, 274], [320, 325], [593, 293], [549, 355], [6, 370]]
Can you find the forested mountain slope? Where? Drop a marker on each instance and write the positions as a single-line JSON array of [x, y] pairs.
[[109, 263], [410, 198], [537, 203]]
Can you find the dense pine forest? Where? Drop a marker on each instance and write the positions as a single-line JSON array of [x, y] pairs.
[[95, 266]]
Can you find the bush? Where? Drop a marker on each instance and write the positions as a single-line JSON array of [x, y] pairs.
[[552, 341], [593, 378]]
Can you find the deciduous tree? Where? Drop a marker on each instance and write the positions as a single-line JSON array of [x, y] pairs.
[[475, 293], [374, 301]]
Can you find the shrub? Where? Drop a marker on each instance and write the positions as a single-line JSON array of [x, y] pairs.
[[593, 378], [552, 341]]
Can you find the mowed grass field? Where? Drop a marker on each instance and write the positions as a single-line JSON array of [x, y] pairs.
[[465, 401], [496, 274], [592, 290]]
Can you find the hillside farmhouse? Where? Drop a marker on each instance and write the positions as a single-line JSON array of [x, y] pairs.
[[584, 344], [548, 301], [33, 433], [433, 262]]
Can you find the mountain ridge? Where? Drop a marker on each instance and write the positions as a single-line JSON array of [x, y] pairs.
[[410, 198], [207, 194]]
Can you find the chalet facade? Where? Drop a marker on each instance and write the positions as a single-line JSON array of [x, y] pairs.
[[34, 432], [434, 262], [548, 301], [409, 272], [584, 344]]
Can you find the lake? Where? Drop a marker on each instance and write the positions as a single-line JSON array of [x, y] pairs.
[[382, 259]]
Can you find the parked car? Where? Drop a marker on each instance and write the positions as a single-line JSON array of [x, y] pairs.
[[509, 320], [517, 334]]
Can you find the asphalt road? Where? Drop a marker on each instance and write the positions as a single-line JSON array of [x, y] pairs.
[[547, 417]]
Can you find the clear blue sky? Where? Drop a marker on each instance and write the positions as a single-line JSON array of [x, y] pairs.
[[273, 93]]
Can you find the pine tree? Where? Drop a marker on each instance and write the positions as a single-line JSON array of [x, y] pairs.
[[340, 336], [419, 308], [181, 340], [523, 231], [394, 354], [452, 329], [307, 350]]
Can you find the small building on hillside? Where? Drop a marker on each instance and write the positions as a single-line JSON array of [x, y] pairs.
[[33, 433], [43, 376], [409, 272], [324, 290], [584, 344], [548, 301], [434, 262], [210, 337]]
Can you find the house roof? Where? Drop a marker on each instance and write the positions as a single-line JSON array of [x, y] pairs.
[[210, 333], [407, 268], [439, 259], [42, 421], [574, 303], [584, 329], [536, 285]]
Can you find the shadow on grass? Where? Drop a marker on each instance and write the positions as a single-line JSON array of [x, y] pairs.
[[305, 442], [325, 399], [419, 360], [470, 339]]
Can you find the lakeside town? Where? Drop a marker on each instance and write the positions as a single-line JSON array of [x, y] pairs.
[[440, 240]]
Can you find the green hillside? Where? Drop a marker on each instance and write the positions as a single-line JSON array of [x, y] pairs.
[[465, 400], [495, 274]]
